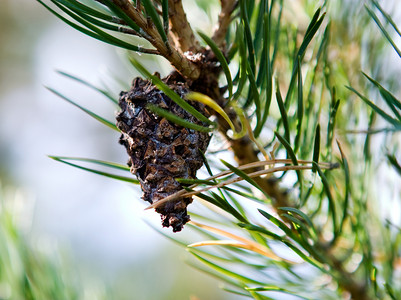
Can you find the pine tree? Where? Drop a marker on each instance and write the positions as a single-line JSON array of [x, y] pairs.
[[296, 215]]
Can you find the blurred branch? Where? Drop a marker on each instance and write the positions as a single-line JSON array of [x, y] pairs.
[[347, 281], [245, 153], [180, 27], [227, 8]]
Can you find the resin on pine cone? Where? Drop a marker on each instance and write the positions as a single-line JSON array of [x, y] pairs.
[[161, 151]]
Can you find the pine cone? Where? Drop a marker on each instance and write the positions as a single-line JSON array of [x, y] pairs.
[[160, 150]]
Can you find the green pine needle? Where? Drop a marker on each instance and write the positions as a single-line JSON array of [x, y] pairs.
[[84, 82], [92, 114], [112, 176], [222, 60]]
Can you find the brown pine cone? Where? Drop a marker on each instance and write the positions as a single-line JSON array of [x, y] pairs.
[[160, 150]]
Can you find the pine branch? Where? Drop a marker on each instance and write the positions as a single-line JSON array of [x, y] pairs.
[[183, 65], [224, 21], [347, 281], [244, 153], [181, 29]]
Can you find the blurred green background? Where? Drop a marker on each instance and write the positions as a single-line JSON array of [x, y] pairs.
[[68, 234]]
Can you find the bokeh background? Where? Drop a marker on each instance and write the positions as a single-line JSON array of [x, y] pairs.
[[89, 227]]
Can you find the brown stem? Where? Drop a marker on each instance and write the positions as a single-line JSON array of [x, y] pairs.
[[245, 153], [150, 51], [227, 8], [243, 148], [138, 4], [180, 27], [184, 66], [346, 280]]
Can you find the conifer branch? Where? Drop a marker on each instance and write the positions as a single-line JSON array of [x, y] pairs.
[[245, 153], [181, 28], [227, 8], [183, 65]]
